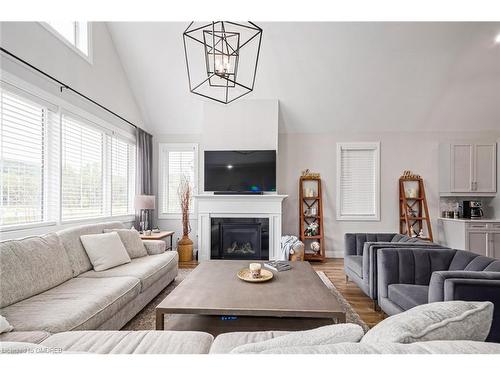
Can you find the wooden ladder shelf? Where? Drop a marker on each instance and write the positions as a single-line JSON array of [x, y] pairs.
[[413, 211], [311, 211]]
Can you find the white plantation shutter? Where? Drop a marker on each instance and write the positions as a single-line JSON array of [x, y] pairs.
[[122, 177], [23, 152], [57, 165], [177, 160], [82, 170], [358, 181]]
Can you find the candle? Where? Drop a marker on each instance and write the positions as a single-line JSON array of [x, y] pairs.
[[255, 270]]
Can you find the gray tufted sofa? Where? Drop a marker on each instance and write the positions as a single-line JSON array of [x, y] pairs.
[[48, 283], [360, 258], [408, 277]]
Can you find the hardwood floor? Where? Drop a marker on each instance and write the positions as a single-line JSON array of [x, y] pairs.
[[334, 270]]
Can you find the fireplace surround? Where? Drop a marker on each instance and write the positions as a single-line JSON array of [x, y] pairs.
[[252, 208]]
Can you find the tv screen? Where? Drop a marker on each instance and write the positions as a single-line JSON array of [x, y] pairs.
[[240, 171]]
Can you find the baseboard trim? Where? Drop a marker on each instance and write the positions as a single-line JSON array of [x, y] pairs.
[[334, 254]]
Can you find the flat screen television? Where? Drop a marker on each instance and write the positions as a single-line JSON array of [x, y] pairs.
[[240, 171]]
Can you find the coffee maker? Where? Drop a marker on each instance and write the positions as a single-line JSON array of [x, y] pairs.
[[472, 210]]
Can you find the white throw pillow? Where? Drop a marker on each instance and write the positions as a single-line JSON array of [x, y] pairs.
[[5, 325], [332, 334], [132, 242], [451, 320], [105, 250]]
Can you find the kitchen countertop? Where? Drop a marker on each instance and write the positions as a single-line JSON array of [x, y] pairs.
[[484, 220]]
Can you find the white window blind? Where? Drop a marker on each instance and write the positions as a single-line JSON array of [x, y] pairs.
[[82, 170], [57, 165], [122, 177], [22, 158], [177, 161], [358, 181]]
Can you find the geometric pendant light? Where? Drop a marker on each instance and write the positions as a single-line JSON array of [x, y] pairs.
[[222, 58]]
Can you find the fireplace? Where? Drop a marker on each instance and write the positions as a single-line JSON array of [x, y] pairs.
[[239, 238]]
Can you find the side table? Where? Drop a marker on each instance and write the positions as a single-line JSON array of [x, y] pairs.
[[160, 236]]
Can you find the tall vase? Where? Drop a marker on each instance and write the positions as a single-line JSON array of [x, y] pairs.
[[185, 249]]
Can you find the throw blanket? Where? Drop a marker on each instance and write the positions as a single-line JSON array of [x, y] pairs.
[[287, 243]]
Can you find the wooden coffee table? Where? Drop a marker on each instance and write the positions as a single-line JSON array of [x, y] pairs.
[[214, 300]]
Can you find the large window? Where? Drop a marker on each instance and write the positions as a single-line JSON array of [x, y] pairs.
[[22, 155], [57, 166], [358, 181], [82, 170], [177, 161], [75, 34]]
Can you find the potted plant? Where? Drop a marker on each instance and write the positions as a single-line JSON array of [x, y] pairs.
[[185, 245]]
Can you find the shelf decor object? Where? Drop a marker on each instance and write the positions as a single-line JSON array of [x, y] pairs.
[[311, 217], [221, 58], [414, 219]]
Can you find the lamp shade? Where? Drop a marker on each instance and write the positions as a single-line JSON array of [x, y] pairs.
[[144, 202]]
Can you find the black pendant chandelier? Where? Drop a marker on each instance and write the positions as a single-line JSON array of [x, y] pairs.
[[221, 58]]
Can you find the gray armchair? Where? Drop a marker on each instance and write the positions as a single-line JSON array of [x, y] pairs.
[[360, 258], [408, 277]]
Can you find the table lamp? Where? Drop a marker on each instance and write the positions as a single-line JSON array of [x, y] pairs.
[[144, 203]]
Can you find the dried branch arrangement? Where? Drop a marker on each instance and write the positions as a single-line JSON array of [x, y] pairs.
[[185, 193]]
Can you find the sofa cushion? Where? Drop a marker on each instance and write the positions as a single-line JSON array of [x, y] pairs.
[[355, 263], [434, 347], [5, 325], [148, 269], [408, 296], [30, 266], [452, 320], [331, 334], [34, 337], [105, 250], [154, 247], [70, 238], [493, 266], [226, 342], [479, 263], [404, 238], [132, 342], [132, 242], [77, 304]]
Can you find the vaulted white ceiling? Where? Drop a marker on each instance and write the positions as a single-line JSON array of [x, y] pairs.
[[333, 76]]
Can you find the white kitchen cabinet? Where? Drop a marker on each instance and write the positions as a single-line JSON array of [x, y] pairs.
[[494, 245], [477, 242], [485, 168], [467, 169], [478, 236]]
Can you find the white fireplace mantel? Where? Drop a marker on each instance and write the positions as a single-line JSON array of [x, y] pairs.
[[251, 206]]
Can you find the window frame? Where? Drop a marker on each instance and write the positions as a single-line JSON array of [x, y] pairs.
[[60, 106], [87, 57], [179, 146], [374, 146]]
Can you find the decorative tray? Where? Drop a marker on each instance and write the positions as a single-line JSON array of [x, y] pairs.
[[245, 275]]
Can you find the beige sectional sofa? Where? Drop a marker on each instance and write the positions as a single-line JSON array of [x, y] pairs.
[[48, 284], [176, 342]]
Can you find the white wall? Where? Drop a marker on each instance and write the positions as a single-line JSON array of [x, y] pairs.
[[244, 125], [417, 151], [104, 80]]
